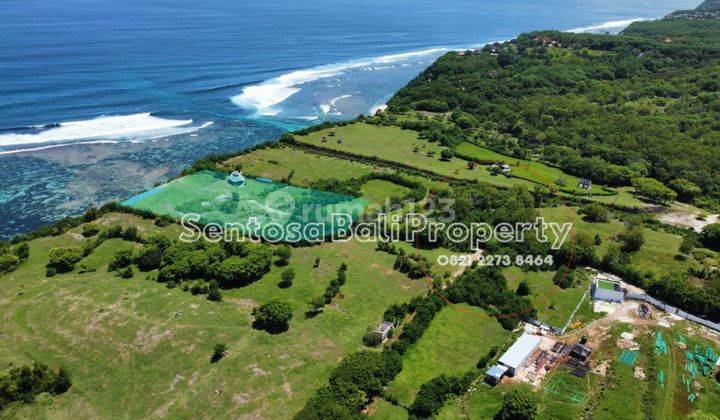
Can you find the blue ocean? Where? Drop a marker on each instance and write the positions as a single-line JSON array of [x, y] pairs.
[[101, 99]]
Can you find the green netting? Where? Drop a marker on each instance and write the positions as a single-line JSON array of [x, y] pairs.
[[629, 357], [253, 206], [711, 356], [661, 346], [692, 369]]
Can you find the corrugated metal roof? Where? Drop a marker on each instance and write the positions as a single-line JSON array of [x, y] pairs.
[[519, 352], [497, 371]]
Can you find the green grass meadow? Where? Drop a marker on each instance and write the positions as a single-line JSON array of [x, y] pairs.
[[124, 338]]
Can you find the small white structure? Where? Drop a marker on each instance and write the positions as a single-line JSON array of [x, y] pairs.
[[236, 178], [607, 288], [495, 374], [506, 168], [519, 353], [384, 329], [585, 184]]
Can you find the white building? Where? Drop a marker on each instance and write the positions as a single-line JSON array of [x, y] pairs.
[[519, 353], [236, 178], [514, 358], [607, 288]]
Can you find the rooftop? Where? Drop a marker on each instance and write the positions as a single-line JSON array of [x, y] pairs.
[[518, 352]]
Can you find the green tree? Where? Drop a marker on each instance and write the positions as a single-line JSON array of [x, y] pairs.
[[686, 190], [23, 251], [63, 259], [283, 252], [237, 272], [286, 278], [595, 213], [632, 239], [518, 404], [8, 262], [688, 244], [710, 236], [89, 230], [446, 154], [123, 257], [219, 351], [214, 291], [654, 190], [523, 288], [127, 272], [273, 316]]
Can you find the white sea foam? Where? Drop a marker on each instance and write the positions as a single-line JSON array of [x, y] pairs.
[[136, 126], [263, 98], [608, 26], [376, 108], [326, 108]]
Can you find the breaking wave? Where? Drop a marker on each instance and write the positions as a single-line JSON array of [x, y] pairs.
[[612, 26], [141, 126], [262, 98]]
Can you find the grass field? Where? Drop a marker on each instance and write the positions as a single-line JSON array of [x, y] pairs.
[[120, 339], [624, 198], [528, 169], [456, 339], [554, 304], [379, 190], [657, 255], [403, 146], [545, 174], [277, 163]]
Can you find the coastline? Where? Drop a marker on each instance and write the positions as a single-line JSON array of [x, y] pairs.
[[303, 76]]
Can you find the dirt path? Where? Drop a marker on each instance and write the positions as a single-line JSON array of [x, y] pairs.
[[473, 257]]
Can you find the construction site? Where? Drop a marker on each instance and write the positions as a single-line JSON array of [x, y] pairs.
[[633, 349]]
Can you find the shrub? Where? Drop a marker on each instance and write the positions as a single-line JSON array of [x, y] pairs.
[[127, 272], [653, 190], [114, 232], [214, 291], [372, 339], [518, 404], [273, 316], [63, 259], [283, 252], [198, 288], [23, 251], [8, 262], [287, 278], [632, 238], [131, 234], [149, 258], [432, 395], [123, 257], [710, 236], [219, 351], [90, 230], [25, 382], [523, 288], [595, 213], [237, 272]]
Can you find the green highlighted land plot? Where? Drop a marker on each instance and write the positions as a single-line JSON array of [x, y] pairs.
[[260, 207]]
